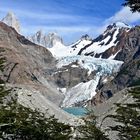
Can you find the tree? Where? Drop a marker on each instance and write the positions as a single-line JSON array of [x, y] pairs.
[[89, 130], [133, 4], [127, 117], [21, 123]]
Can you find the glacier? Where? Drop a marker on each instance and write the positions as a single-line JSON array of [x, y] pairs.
[[107, 66], [85, 91]]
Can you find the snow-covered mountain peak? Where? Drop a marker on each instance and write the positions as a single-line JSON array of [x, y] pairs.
[[11, 20], [104, 46], [118, 25], [55, 38], [121, 24], [11, 14]]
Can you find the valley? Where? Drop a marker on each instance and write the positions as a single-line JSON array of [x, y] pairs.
[[68, 80]]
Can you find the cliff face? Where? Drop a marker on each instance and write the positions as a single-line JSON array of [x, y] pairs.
[[24, 58]]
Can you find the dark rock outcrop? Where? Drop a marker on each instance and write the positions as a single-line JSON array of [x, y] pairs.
[[69, 76]]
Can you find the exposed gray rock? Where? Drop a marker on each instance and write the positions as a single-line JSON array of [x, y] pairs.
[[68, 76], [46, 40], [35, 100], [109, 108]]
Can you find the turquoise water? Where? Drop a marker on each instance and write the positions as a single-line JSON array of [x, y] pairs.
[[77, 111]]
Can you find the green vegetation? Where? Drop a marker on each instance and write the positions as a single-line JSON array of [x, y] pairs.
[[124, 71], [133, 4], [128, 117], [20, 123], [135, 83], [90, 131]]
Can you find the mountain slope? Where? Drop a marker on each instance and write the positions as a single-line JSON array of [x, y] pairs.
[[27, 71], [82, 70]]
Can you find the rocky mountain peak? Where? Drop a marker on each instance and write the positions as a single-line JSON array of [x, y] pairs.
[[54, 37], [46, 40], [11, 20], [118, 25], [39, 33], [86, 37], [106, 45], [121, 24]]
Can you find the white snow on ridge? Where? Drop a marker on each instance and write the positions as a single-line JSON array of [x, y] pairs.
[[97, 48], [113, 56], [86, 91], [79, 46], [60, 50], [121, 24]]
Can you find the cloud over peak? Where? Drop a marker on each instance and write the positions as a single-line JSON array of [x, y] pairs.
[[125, 15]]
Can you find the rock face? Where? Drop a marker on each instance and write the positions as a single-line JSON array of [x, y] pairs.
[[11, 20], [24, 57], [47, 41], [28, 68], [109, 108]]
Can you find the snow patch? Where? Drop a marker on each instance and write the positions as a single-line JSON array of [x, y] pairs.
[[74, 66], [81, 92], [121, 24]]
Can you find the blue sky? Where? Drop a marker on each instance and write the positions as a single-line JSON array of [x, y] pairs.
[[69, 18]]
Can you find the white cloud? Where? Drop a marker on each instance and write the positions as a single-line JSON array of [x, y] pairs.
[[59, 29], [39, 16], [124, 15]]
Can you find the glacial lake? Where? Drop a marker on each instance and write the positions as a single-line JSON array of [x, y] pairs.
[[77, 111]]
